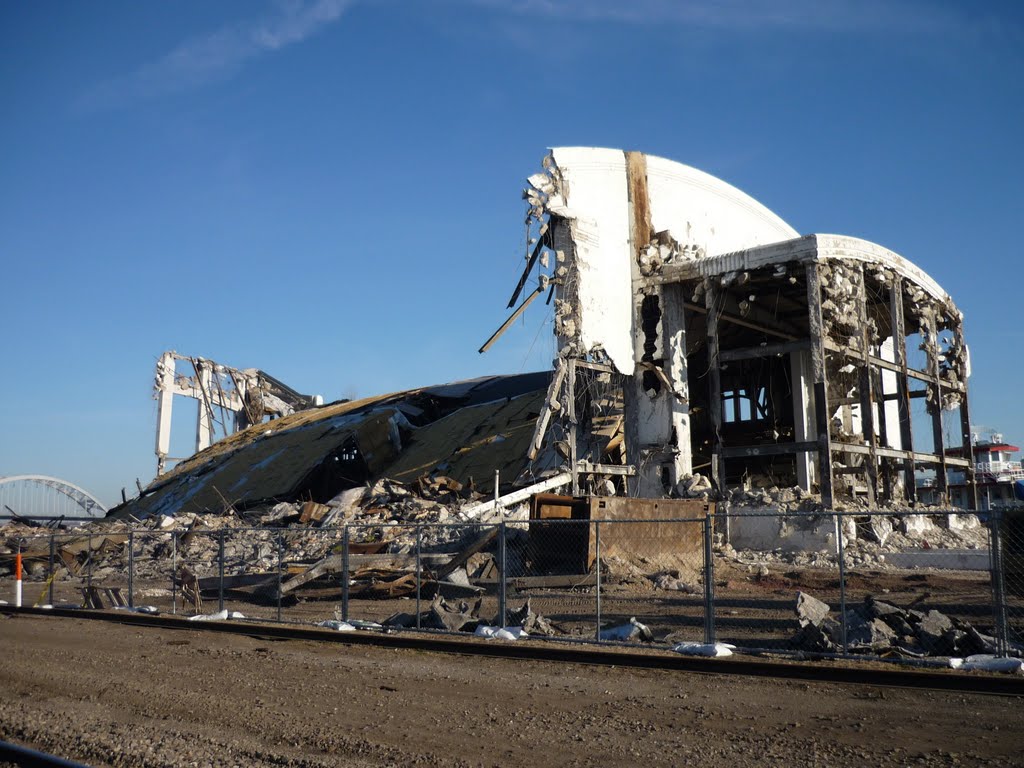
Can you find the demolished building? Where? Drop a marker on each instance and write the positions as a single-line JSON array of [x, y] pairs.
[[744, 349], [698, 334]]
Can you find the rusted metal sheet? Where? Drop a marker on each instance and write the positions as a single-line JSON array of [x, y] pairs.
[[628, 536], [563, 538]]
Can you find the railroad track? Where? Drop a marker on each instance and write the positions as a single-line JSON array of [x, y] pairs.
[[572, 653]]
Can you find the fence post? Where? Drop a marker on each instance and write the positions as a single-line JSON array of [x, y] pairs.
[[280, 571], [504, 575], [344, 575], [597, 574], [88, 572], [220, 570], [709, 579], [841, 550], [998, 584], [419, 561], [51, 574], [174, 571], [131, 568]]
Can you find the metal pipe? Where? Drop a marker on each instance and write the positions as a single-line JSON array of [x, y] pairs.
[[998, 583], [280, 571], [50, 575], [220, 570], [842, 580], [419, 572], [344, 575], [15, 754], [88, 569], [502, 563], [174, 571], [131, 568], [709, 580]]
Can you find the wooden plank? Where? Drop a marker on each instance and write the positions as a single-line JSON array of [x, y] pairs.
[[330, 564], [554, 390], [548, 582], [595, 366], [512, 318], [463, 556]]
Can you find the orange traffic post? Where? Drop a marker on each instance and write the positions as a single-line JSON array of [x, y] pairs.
[[17, 582]]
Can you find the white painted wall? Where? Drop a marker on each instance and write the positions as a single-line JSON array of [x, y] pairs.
[[695, 207]]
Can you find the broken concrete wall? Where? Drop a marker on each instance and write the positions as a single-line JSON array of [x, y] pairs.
[[691, 214]]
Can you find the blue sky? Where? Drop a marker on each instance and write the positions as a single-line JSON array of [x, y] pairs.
[[329, 190]]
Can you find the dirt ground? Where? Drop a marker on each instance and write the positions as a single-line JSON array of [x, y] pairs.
[[110, 694]]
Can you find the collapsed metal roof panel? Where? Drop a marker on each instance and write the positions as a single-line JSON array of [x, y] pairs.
[[473, 442], [473, 427]]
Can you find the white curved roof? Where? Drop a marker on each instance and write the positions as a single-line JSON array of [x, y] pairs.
[[815, 247], [696, 208]]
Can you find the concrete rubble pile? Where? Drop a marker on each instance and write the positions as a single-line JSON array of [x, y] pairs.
[[382, 519], [781, 534], [463, 617], [884, 629]]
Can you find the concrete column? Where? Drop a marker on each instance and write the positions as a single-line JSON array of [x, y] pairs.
[[164, 403], [204, 425], [801, 373], [673, 323]]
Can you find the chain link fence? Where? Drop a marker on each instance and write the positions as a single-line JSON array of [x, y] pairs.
[[1008, 576], [906, 586]]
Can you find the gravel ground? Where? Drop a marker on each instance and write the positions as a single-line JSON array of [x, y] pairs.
[[109, 694]]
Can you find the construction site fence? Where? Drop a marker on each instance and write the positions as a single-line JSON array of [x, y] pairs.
[[723, 578]]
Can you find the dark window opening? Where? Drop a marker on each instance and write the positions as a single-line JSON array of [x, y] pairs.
[[744, 404]]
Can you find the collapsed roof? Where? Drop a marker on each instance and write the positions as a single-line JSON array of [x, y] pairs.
[[465, 430]]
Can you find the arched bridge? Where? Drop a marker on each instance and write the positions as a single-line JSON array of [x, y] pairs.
[[44, 496]]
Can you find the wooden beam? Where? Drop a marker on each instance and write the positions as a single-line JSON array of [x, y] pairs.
[[514, 316], [726, 318], [589, 468], [765, 350], [768, 449], [554, 390], [879, 362], [894, 453]]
